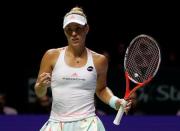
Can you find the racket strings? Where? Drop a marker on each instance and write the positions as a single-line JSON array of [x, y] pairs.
[[142, 59]]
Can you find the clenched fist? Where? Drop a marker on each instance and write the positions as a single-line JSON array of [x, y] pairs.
[[44, 80]]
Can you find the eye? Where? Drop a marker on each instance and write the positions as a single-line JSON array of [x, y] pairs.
[[68, 30], [79, 29]]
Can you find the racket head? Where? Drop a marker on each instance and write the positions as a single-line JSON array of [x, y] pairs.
[[142, 58]]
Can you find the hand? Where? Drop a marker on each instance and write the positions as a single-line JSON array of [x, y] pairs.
[[128, 106], [44, 80], [119, 103]]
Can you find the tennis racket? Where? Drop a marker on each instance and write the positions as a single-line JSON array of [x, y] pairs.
[[141, 63]]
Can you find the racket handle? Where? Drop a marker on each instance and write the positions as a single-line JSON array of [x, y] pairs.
[[120, 113]]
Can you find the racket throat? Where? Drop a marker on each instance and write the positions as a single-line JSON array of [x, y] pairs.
[[127, 86]]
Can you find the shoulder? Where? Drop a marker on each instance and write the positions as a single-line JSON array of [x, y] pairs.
[[100, 61], [53, 52], [99, 58], [50, 56]]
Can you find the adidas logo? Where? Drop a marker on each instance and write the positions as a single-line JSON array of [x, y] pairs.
[[74, 75]]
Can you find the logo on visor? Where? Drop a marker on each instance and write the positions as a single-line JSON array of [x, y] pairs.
[[72, 17], [90, 68]]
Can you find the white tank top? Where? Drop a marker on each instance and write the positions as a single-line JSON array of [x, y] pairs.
[[73, 90]]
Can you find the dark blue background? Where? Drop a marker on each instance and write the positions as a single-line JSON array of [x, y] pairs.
[[128, 123]]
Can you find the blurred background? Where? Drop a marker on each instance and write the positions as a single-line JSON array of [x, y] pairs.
[[30, 28]]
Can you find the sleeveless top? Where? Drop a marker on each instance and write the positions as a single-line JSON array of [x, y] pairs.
[[73, 89]]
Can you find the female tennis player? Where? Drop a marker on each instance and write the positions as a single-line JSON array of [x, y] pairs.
[[75, 73]]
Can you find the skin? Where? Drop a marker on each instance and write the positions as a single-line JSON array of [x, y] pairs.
[[76, 56]]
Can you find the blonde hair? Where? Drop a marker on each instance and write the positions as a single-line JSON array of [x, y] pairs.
[[76, 10]]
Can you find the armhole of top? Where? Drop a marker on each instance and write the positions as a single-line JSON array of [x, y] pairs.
[[91, 60], [58, 58]]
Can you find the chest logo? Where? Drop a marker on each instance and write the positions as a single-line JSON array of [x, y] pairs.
[[74, 75], [90, 68]]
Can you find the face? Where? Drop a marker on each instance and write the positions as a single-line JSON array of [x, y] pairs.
[[76, 34]]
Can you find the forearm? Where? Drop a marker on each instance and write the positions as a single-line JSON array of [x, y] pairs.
[[109, 98], [104, 95], [40, 91]]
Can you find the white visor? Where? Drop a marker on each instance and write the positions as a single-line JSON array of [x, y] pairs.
[[74, 18]]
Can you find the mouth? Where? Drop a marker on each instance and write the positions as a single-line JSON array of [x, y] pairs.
[[75, 40]]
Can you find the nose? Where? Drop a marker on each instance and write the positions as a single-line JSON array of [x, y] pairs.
[[74, 33]]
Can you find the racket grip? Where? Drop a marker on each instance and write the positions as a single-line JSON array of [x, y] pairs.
[[120, 113]]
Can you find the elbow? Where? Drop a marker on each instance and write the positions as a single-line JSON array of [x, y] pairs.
[[99, 92]]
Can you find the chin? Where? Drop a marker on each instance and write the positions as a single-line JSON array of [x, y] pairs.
[[76, 44]]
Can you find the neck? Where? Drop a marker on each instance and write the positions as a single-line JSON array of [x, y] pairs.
[[76, 52]]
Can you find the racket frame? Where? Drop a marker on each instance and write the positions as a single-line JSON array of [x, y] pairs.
[[129, 92], [127, 51]]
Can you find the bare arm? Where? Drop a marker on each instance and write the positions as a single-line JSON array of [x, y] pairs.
[[44, 76], [102, 91]]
